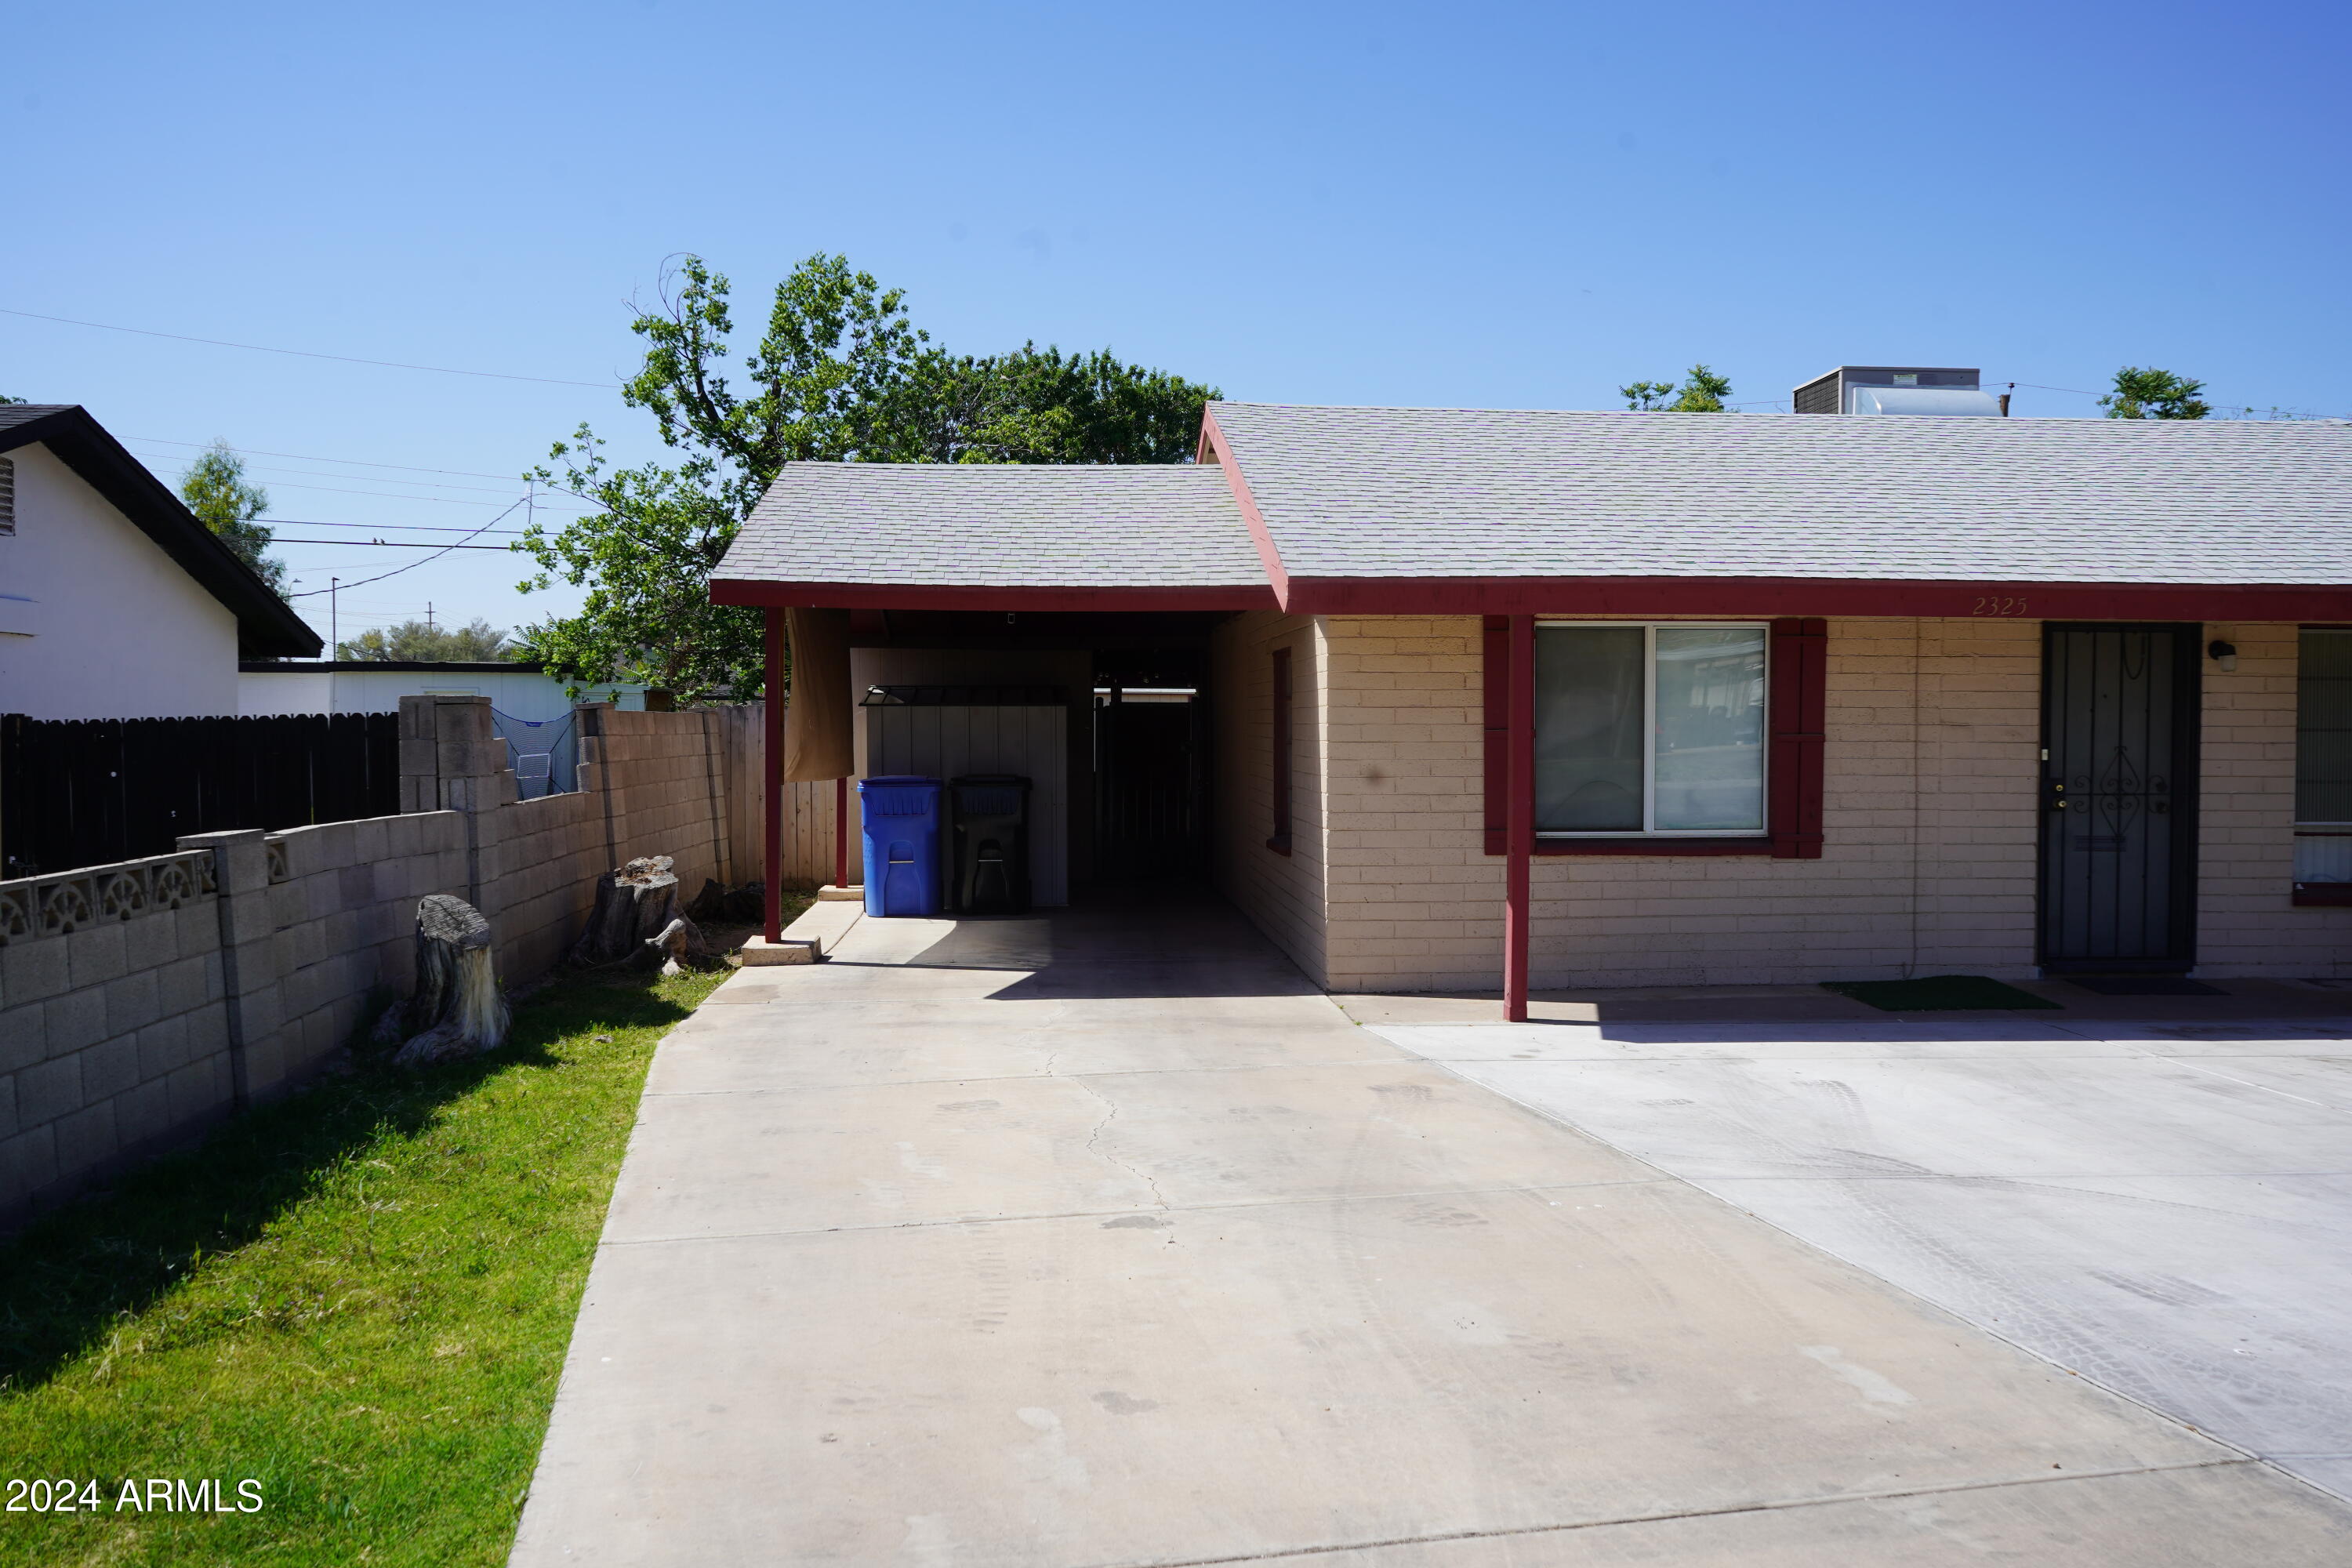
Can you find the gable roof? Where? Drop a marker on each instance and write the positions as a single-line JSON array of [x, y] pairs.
[[1170, 534], [1455, 492], [266, 625], [1450, 509]]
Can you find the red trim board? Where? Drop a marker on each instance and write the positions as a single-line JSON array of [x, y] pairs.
[[1213, 449], [960, 596], [1757, 596]]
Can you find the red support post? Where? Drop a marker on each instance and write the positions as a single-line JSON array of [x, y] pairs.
[[841, 832], [771, 771], [1519, 822]]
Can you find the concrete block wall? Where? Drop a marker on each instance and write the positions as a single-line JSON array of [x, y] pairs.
[[660, 776], [141, 1003], [2247, 922], [113, 1019], [1284, 896], [340, 917]]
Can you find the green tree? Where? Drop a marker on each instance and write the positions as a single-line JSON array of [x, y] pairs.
[[1646, 397], [839, 374], [478, 640], [1041, 405], [215, 491], [2153, 394], [1702, 391]]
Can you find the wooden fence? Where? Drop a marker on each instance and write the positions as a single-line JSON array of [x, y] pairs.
[[90, 792]]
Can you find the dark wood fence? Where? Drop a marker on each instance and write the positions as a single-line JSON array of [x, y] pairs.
[[86, 792]]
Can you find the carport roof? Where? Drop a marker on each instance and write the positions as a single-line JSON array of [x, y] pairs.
[[1169, 533], [1439, 509]]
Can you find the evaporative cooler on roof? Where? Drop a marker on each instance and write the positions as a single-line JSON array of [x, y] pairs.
[[1941, 390]]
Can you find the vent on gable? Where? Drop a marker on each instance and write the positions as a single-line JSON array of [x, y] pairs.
[[8, 495]]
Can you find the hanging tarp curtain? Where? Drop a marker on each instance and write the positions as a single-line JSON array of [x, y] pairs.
[[816, 724]]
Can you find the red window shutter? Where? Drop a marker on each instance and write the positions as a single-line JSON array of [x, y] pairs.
[[1800, 699], [1496, 648], [1283, 761]]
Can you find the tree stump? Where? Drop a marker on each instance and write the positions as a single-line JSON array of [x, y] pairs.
[[636, 919], [457, 1009], [681, 947]]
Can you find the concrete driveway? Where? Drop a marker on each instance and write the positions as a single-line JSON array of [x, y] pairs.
[[1105, 1238], [2163, 1207]]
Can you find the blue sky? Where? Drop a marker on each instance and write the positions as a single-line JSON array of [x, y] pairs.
[[1500, 205]]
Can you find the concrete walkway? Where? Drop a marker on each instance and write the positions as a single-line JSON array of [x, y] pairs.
[[1105, 1238]]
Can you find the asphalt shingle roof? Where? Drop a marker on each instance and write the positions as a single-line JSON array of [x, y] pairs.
[[988, 525], [1452, 492]]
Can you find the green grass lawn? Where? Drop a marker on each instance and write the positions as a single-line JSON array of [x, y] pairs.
[[358, 1297]]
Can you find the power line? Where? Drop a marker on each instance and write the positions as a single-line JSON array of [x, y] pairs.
[[381, 495], [405, 527], [505, 490], [388, 544], [307, 353], [313, 592], [314, 457], [365, 463]]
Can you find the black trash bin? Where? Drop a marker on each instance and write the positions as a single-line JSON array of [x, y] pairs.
[[988, 871]]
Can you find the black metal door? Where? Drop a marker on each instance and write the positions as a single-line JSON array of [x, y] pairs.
[[2119, 797]]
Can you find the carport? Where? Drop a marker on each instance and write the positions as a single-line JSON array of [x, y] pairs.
[[903, 591]]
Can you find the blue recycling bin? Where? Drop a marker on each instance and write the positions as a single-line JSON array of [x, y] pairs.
[[902, 844]]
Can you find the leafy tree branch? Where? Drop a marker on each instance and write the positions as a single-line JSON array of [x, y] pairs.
[[215, 489], [840, 374]]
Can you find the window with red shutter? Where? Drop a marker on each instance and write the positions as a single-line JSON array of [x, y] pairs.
[[1795, 686]]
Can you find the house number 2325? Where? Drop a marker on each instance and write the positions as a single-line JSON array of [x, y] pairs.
[[1998, 605]]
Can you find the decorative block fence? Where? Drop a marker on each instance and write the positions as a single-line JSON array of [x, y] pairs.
[[141, 1002]]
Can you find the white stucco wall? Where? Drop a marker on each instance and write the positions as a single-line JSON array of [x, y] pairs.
[[98, 623], [523, 694]]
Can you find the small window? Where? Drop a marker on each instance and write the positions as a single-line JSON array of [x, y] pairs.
[[1650, 730], [8, 495], [2322, 763], [1280, 842]]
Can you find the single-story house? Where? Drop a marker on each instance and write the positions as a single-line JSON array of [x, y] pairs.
[[1607, 700], [115, 601]]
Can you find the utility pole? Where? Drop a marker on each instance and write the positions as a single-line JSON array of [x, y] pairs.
[[334, 623], [428, 615]]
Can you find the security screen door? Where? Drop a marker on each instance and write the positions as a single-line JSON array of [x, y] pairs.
[[2119, 797]]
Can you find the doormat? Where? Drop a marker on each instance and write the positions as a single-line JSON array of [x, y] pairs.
[[2146, 985], [1938, 993]]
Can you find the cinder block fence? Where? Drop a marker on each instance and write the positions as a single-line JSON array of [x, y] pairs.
[[141, 1002]]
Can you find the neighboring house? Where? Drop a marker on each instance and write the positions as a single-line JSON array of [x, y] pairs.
[[115, 601], [530, 709], [1602, 699]]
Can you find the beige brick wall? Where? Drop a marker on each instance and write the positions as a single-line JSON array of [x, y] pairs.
[[1928, 814], [2247, 922], [1930, 817], [1282, 895]]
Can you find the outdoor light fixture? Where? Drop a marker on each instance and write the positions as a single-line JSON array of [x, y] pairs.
[[2225, 654]]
